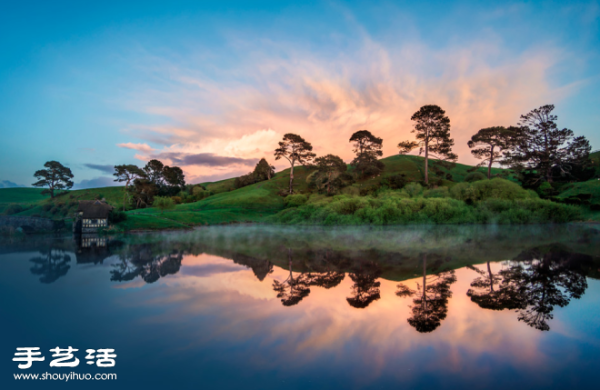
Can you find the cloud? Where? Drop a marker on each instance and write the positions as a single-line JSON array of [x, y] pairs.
[[200, 113], [96, 183], [9, 184], [205, 159], [102, 168], [141, 147]]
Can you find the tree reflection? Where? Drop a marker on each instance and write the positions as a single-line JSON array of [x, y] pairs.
[[365, 289], [51, 265], [488, 292], [140, 260], [430, 306], [292, 290], [544, 278]]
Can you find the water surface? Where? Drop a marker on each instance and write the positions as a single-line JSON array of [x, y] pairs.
[[263, 308]]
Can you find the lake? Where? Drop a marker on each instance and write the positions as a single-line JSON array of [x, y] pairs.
[[257, 307]]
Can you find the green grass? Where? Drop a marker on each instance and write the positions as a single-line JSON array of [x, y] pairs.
[[587, 187], [63, 205], [256, 203], [22, 196]]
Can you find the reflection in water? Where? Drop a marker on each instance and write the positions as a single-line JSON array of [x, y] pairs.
[[292, 290], [537, 279], [210, 296], [365, 289], [52, 264], [430, 306], [544, 278], [140, 260], [488, 292]]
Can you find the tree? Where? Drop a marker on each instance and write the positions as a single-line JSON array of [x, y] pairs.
[[329, 166], [264, 170], [174, 176], [489, 143], [296, 150], [154, 172], [127, 174], [432, 127], [542, 147], [367, 148], [143, 191], [55, 177], [163, 203]]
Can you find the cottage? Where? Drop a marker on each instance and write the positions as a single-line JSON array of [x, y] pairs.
[[91, 215]]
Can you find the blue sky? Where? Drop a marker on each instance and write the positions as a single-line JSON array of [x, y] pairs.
[[213, 86]]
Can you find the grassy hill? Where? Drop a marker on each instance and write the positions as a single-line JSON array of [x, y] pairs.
[[252, 203], [33, 203]]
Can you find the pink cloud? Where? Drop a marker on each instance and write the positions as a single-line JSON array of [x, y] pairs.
[[141, 147], [325, 98]]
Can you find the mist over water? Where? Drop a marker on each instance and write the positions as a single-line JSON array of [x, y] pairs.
[[265, 307]]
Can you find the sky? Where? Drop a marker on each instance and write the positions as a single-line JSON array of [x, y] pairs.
[[213, 86]]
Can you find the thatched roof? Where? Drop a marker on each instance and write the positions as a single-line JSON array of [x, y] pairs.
[[94, 209]]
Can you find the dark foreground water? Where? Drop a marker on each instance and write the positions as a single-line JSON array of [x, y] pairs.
[[263, 308]]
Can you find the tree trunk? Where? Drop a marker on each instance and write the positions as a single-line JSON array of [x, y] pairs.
[[491, 277], [427, 158], [491, 162], [424, 283], [292, 179]]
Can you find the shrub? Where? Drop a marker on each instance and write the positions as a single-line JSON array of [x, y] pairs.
[[295, 200], [117, 216], [465, 192], [500, 189], [13, 209], [343, 210], [351, 191], [441, 192], [163, 203], [545, 189], [177, 199], [413, 189], [475, 176]]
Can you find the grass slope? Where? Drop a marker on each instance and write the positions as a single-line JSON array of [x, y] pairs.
[[23, 196], [63, 205], [252, 203]]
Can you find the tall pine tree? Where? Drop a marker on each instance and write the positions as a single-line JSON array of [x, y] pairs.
[[367, 148], [432, 128]]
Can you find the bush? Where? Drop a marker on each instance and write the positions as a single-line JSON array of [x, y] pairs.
[[177, 199], [500, 189], [389, 210], [351, 191], [295, 200], [117, 216], [13, 209], [163, 203], [413, 189], [441, 192], [465, 192], [475, 176]]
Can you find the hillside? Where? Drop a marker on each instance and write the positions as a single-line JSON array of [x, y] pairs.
[[248, 204]]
